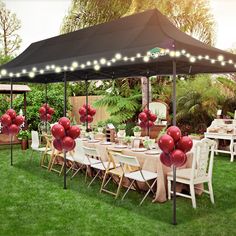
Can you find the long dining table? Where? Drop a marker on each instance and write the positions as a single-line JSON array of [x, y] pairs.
[[150, 162]]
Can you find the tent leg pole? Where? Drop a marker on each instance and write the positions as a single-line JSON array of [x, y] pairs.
[[46, 101], [86, 93], [11, 135], [64, 113], [174, 93], [148, 101]]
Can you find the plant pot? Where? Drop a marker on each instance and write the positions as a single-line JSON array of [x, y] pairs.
[[100, 130], [24, 144], [121, 133], [137, 134]]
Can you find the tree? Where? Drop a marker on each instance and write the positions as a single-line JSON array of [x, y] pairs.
[[9, 25], [191, 16]]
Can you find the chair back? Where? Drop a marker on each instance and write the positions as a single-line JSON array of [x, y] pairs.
[[124, 159], [79, 150], [91, 152], [203, 158], [35, 139]]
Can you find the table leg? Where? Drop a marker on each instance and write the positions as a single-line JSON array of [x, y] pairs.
[[231, 148], [217, 146]]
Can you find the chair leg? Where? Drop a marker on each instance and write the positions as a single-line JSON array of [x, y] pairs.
[[76, 172], [70, 168], [169, 189], [31, 155], [128, 189], [192, 192], [62, 167], [103, 181], [149, 190], [119, 187], [94, 178], [211, 192], [86, 174]]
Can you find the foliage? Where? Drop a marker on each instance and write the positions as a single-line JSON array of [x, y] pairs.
[[36, 98], [5, 103], [101, 123], [123, 101], [137, 128], [121, 127], [23, 134], [9, 38], [85, 13], [197, 102]]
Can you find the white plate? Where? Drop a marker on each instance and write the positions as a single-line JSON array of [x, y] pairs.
[[138, 149], [106, 143], [93, 141], [120, 146], [153, 152]]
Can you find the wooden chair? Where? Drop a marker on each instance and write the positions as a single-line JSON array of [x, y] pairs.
[[94, 155], [200, 172], [36, 147], [139, 175], [112, 173]]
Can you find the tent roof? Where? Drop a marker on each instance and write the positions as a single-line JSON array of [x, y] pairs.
[[128, 36], [6, 88]]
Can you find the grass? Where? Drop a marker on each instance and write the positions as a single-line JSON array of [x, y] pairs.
[[32, 202]]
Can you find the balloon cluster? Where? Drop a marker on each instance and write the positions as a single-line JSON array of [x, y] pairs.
[[64, 135], [147, 119], [86, 113], [11, 122], [46, 112], [174, 147]]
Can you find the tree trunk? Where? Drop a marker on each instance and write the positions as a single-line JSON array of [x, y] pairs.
[[145, 91]]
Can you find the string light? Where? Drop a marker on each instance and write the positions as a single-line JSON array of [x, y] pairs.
[[31, 74], [107, 62], [97, 67]]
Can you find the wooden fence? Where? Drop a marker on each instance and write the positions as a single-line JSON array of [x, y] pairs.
[[77, 102]]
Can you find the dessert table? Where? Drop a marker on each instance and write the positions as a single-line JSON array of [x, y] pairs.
[[147, 161], [223, 136]]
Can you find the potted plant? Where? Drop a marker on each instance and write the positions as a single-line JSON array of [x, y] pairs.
[[100, 126], [127, 140], [137, 131], [121, 129], [23, 135]]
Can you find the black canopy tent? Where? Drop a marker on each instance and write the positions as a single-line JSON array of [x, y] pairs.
[[139, 45]]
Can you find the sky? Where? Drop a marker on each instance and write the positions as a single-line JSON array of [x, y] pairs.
[[42, 19]]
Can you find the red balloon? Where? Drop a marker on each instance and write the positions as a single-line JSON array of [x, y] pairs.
[[46, 105], [89, 119], [42, 110], [82, 111], [11, 113], [174, 132], [49, 117], [65, 122], [149, 124], [152, 117], [73, 132], [87, 106], [6, 120], [43, 117], [185, 144], [68, 143], [146, 111], [57, 144], [143, 116], [58, 131], [82, 119], [5, 130], [13, 129], [142, 124], [165, 159], [51, 111], [19, 120], [92, 111], [178, 158], [166, 143]]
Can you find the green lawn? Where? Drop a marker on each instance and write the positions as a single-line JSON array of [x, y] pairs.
[[32, 202]]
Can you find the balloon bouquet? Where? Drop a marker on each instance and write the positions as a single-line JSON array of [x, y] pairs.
[[46, 112], [174, 147], [86, 113], [11, 123], [64, 135], [147, 118]]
